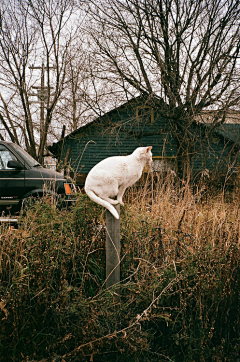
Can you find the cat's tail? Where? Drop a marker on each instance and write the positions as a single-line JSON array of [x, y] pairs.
[[102, 202]]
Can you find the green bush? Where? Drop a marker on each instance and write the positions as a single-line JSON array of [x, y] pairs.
[[178, 299]]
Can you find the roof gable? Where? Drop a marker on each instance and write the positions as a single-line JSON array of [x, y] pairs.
[[108, 118]]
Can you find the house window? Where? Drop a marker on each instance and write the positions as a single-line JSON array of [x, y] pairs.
[[145, 115], [164, 164]]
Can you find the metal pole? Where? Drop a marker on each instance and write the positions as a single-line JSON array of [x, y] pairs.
[[112, 249]]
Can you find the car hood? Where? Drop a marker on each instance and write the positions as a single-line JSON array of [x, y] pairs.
[[47, 173]]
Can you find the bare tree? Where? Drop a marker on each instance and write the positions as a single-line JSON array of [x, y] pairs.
[[34, 42], [86, 96], [73, 109], [183, 52]]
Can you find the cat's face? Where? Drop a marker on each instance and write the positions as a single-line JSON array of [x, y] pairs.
[[145, 153], [149, 155]]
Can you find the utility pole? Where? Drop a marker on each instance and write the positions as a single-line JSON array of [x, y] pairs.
[[42, 94]]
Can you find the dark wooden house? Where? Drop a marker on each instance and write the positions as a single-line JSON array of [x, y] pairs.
[[140, 122]]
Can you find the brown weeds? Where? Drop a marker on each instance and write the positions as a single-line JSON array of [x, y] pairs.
[[179, 295]]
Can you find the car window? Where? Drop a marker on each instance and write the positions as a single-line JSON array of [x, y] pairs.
[[30, 161], [5, 156]]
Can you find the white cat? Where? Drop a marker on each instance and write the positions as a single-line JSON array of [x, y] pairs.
[[113, 175]]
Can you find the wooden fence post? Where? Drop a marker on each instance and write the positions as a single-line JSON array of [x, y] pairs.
[[112, 249]]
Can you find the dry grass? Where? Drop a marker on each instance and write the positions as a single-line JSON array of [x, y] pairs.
[[179, 210], [179, 295]]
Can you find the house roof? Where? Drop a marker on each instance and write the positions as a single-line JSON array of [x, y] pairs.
[[101, 120], [107, 115], [229, 131]]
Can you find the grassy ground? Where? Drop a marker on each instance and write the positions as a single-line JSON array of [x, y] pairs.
[[178, 299]]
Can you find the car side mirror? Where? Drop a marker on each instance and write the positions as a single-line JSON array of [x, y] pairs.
[[14, 164]]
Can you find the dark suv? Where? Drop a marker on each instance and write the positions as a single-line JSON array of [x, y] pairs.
[[22, 177]]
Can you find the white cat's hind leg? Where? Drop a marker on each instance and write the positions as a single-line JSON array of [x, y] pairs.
[[121, 191], [104, 194], [106, 191]]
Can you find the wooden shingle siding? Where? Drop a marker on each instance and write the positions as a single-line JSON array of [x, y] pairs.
[[86, 152], [89, 149], [214, 155], [119, 134]]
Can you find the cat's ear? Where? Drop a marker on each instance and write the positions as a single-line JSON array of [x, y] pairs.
[[148, 149]]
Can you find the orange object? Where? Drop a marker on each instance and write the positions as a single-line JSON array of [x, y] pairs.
[[67, 189]]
